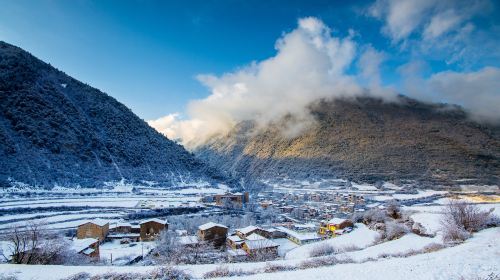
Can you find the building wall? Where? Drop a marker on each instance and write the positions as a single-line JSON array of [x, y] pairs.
[[151, 230], [216, 235], [90, 230]]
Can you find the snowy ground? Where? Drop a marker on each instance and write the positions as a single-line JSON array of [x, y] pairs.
[[360, 237], [122, 253], [477, 257]]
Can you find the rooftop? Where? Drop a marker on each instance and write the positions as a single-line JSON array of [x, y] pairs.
[[98, 222], [210, 225], [260, 244], [156, 220], [247, 229], [336, 221], [82, 244]]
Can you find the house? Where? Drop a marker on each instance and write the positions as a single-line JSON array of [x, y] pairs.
[[261, 247], [235, 242], [271, 233], [212, 232], [236, 199], [87, 246], [301, 238], [121, 228], [244, 232], [97, 229], [151, 228], [333, 226], [255, 236]]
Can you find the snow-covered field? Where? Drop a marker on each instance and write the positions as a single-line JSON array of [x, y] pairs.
[[477, 257], [360, 237], [65, 208]]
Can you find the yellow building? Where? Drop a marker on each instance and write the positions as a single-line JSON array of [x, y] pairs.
[[329, 228]]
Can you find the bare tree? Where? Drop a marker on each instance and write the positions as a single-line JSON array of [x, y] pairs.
[[460, 219], [33, 245]]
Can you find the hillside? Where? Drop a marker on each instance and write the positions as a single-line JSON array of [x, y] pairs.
[[365, 139], [57, 130]]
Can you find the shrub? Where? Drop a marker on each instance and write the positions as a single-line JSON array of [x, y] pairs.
[[313, 263], [460, 219], [223, 271], [454, 233], [433, 247], [395, 230], [322, 250], [169, 273], [270, 268]]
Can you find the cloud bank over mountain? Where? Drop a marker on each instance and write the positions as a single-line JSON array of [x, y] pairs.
[[314, 63]]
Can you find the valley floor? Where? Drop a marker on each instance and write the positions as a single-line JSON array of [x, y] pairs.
[[477, 258]]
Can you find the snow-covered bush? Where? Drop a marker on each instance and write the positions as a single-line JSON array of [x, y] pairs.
[[460, 219], [167, 273], [270, 268], [433, 247], [395, 230], [318, 262], [393, 209], [223, 271], [322, 250], [493, 221], [374, 216], [454, 233]]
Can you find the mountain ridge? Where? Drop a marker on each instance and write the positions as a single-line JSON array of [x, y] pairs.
[[365, 139], [56, 130]]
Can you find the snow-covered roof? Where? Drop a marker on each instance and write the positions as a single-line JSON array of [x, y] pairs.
[[299, 235], [235, 238], [260, 244], [304, 226], [98, 222], [88, 251], [255, 236], [210, 225], [156, 220], [238, 193], [336, 221], [79, 245], [248, 229]]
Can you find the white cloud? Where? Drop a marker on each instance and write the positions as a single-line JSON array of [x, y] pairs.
[[310, 64], [478, 92], [369, 66], [428, 19], [164, 125]]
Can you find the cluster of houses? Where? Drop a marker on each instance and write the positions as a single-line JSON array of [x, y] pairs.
[[248, 242], [230, 200], [90, 234], [315, 206]]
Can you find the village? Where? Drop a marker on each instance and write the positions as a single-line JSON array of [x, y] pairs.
[[297, 219]]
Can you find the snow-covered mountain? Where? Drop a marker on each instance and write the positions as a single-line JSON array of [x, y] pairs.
[[365, 139], [56, 130]]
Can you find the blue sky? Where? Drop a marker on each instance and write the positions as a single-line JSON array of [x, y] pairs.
[[147, 54]]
